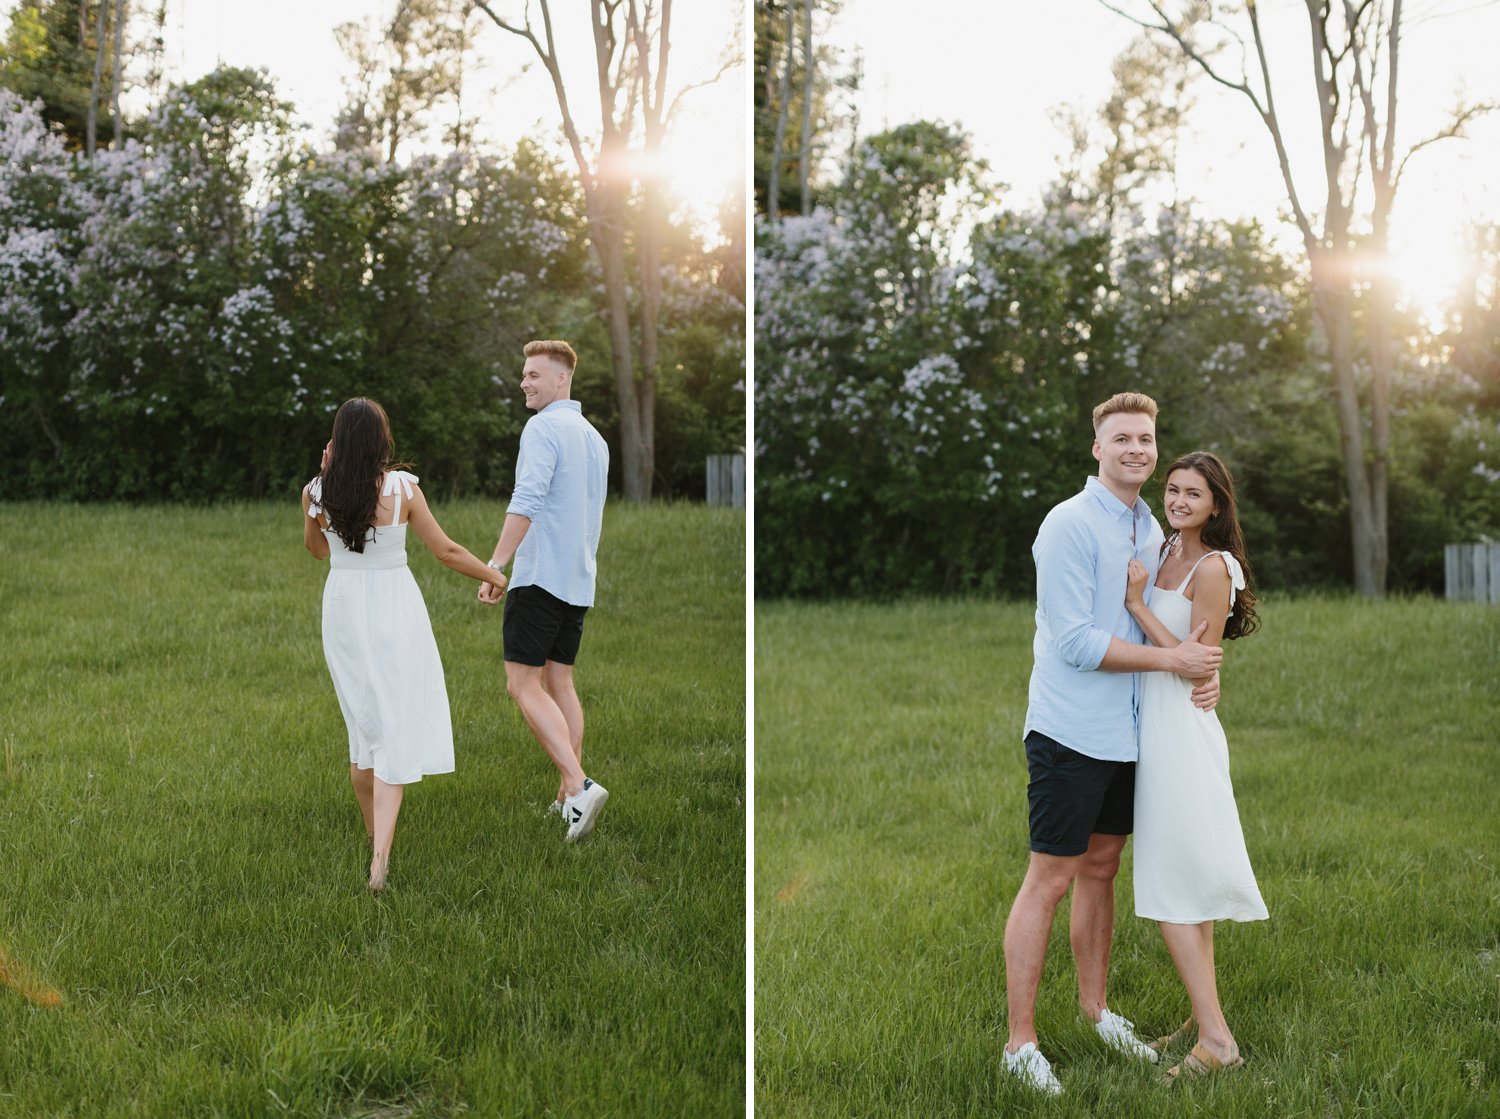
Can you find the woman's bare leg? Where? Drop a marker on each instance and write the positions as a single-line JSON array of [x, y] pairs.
[[1192, 949], [363, 781], [387, 808]]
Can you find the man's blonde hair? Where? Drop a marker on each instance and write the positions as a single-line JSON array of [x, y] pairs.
[[1124, 402], [557, 349]]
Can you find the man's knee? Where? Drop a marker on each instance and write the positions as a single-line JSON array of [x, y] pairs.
[[1101, 862], [1048, 878], [557, 678], [521, 679]]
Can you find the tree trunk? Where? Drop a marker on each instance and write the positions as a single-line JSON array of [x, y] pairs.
[[1382, 359], [607, 202], [804, 164], [1347, 128], [48, 430], [607, 192], [115, 84], [1332, 302], [90, 136], [1383, 310], [649, 234], [610, 249], [778, 145]]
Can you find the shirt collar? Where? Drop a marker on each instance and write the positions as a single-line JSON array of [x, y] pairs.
[[563, 405], [1112, 504]]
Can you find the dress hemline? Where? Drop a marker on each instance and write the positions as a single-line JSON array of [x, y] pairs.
[[413, 781], [1239, 917]]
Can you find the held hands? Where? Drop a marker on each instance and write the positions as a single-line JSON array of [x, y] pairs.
[[489, 594], [1135, 584]]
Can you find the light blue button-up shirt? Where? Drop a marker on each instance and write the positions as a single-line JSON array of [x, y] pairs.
[[1082, 551], [561, 474]]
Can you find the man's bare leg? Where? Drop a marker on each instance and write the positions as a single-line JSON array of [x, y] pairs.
[[1026, 933], [1091, 927], [547, 722], [557, 681]]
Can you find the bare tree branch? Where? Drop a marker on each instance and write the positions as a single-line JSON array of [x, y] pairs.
[[1454, 131], [725, 65], [548, 56], [1167, 27], [1272, 122]]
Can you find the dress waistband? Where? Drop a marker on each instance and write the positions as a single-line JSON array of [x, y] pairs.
[[344, 560]]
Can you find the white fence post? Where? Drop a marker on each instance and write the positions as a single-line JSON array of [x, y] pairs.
[[726, 480], [1471, 572]]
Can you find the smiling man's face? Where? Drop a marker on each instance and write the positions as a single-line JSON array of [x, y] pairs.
[[1125, 446], [543, 380]]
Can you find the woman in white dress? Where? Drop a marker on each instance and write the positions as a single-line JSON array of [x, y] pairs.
[[376, 634], [1191, 867]]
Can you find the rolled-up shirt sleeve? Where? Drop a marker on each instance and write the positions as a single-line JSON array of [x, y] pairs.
[[1065, 577], [534, 469]]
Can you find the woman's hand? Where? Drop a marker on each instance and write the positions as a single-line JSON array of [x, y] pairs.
[[491, 593], [1135, 584]]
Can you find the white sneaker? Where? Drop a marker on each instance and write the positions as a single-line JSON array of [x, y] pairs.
[[555, 808], [1029, 1065], [1119, 1033], [581, 811]]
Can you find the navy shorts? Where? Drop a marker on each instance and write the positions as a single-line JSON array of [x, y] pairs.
[[1072, 796], [540, 627]]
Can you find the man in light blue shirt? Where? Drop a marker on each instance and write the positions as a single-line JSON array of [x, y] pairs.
[[552, 531], [1081, 726]]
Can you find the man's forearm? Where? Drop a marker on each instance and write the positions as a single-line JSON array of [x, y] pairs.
[[1190, 660], [1126, 656], [511, 534]]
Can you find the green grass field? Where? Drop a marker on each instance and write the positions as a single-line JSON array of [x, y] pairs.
[[890, 838], [183, 863]]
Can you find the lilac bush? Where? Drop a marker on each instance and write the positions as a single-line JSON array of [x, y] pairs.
[[179, 316], [927, 358]]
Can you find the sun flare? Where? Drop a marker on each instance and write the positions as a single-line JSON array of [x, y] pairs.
[[1429, 263]]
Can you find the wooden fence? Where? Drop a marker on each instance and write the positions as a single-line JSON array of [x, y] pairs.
[[1472, 572], [726, 480]]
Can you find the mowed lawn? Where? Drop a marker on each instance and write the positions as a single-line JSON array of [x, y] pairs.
[[890, 839], [182, 862]]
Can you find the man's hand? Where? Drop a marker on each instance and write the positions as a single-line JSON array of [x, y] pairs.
[[489, 594], [1196, 660], [1206, 694]]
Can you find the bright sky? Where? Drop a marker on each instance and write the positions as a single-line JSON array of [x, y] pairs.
[[293, 39], [998, 70]]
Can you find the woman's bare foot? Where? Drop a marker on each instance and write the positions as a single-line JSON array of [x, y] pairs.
[[1223, 1048], [379, 866]]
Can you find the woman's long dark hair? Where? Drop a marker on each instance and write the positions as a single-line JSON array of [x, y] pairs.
[[361, 453], [1222, 534]]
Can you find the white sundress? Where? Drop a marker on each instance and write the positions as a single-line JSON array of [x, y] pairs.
[[381, 654], [1190, 859]]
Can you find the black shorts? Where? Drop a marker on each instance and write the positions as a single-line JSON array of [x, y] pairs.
[[1073, 796], [540, 627]]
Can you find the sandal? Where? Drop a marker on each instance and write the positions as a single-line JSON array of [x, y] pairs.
[[1200, 1062], [1166, 1041]]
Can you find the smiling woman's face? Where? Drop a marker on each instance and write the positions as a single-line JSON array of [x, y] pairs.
[[1188, 500]]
